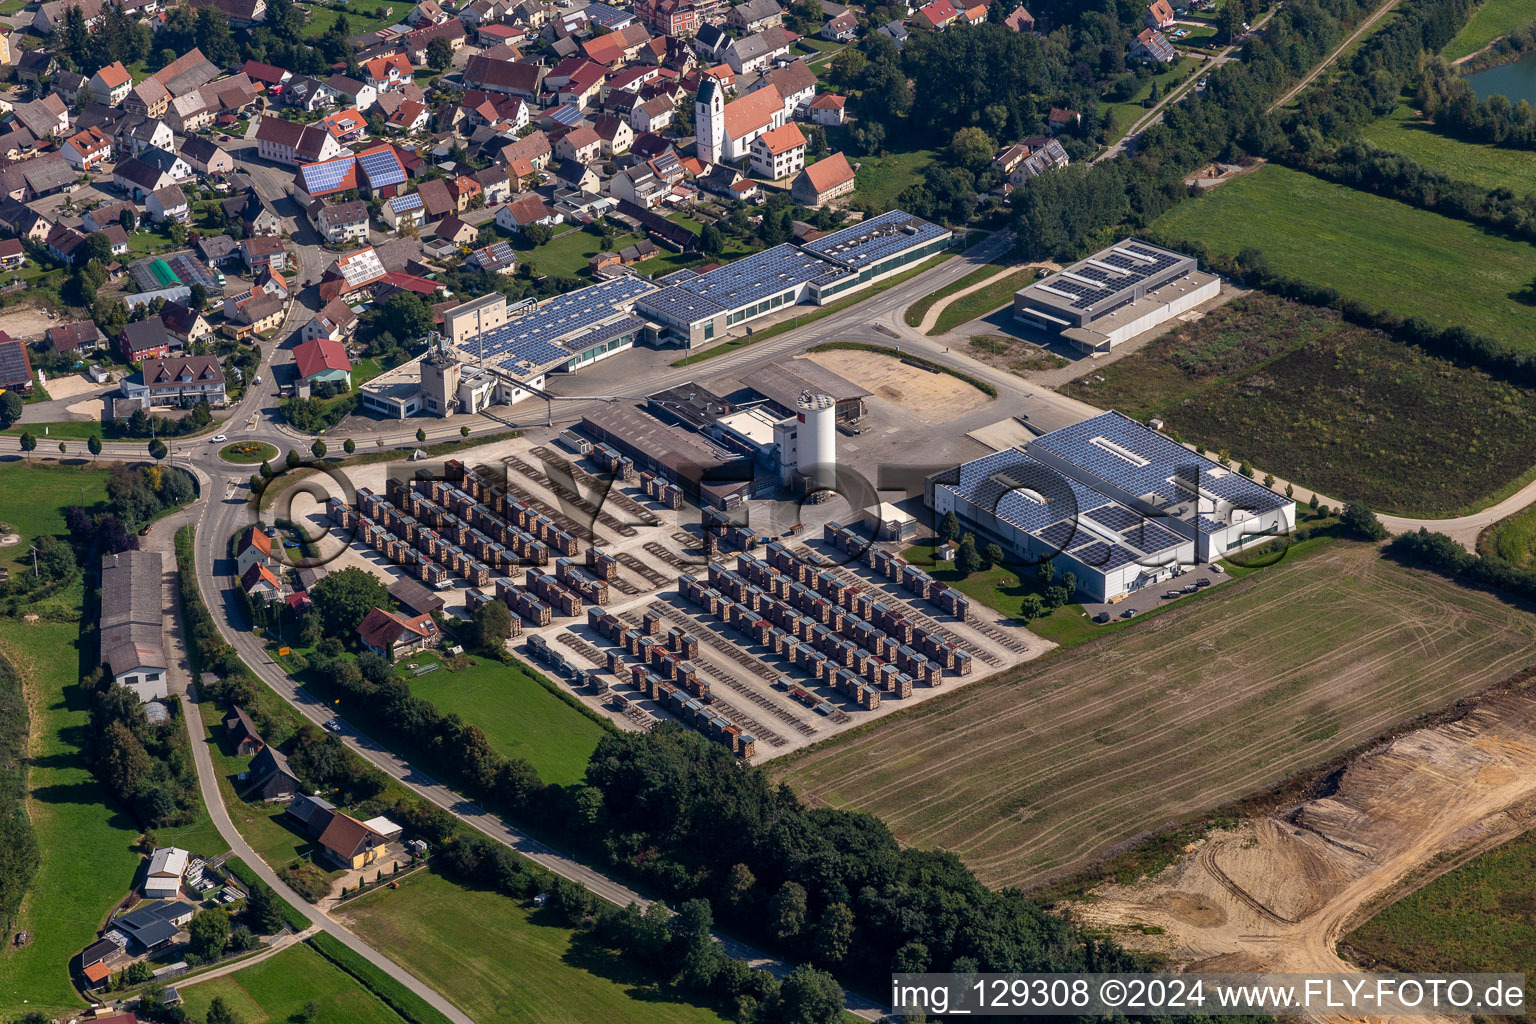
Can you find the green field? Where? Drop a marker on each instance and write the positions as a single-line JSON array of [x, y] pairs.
[[498, 961], [1297, 392], [518, 715], [1383, 253], [88, 855], [1039, 771], [1488, 167], [33, 497], [1512, 539], [59, 430], [567, 255], [1492, 19], [360, 19], [1479, 917], [914, 313], [878, 180], [278, 989]]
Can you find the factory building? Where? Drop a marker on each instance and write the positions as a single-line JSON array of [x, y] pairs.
[[710, 472], [697, 308], [1115, 295], [782, 383], [1112, 501]]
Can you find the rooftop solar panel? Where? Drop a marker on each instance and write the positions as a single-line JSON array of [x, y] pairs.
[[562, 326], [1115, 517], [1119, 556], [381, 167], [1061, 535], [1150, 537], [1094, 553], [872, 240], [401, 204], [324, 177]]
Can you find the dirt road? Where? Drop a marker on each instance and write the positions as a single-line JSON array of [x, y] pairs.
[[1277, 893]]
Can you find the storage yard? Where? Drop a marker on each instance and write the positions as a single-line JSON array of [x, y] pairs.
[[764, 650]]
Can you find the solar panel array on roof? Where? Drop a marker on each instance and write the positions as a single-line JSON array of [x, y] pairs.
[[1061, 535], [1151, 538], [560, 327], [872, 240], [568, 115], [381, 167], [1115, 517], [1109, 274], [1023, 492], [324, 177], [400, 204], [747, 281], [1138, 460], [1094, 553]]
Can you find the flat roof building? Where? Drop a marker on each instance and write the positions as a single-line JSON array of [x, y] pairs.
[[783, 383], [1115, 294], [1112, 501], [709, 472]]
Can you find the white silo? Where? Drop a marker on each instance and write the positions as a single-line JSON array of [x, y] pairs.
[[818, 441]]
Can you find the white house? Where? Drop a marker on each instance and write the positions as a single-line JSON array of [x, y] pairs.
[[167, 867]]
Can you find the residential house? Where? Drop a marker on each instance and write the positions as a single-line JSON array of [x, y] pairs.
[[146, 339], [579, 176], [46, 118], [269, 778], [521, 212], [452, 229], [286, 142], [70, 85], [41, 176], [1060, 119], [255, 215], [780, 153], [465, 190], [437, 201], [404, 212], [255, 317], [167, 867], [35, 65], [67, 244], [354, 93], [151, 170], [533, 148], [87, 150], [513, 78], [1159, 15], [388, 73], [1151, 46], [136, 134], [322, 359], [841, 29], [639, 185], [758, 51], [307, 93], [241, 732], [349, 843], [109, 86], [796, 84], [614, 134], [263, 251], [426, 13], [494, 185], [754, 16], [394, 635], [828, 109], [252, 547], [339, 223], [261, 582], [496, 258], [13, 255], [680, 18], [17, 144], [206, 158], [896, 32], [169, 203], [1020, 20], [654, 115], [580, 144], [148, 927], [409, 117], [937, 15], [823, 181], [177, 381], [84, 336], [185, 324], [334, 323], [312, 813], [15, 365]]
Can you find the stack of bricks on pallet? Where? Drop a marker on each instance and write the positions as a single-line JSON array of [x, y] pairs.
[[577, 578], [604, 567], [609, 458], [658, 489], [667, 674], [550, 590], [899, 570], [719, 532], [435, 552], [817, 634]]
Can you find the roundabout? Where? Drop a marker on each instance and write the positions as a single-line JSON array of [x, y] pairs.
[[248, 453]]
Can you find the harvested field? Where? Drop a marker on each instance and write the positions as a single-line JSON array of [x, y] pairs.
[[1043, 770], [1277, 893], [932, 397]]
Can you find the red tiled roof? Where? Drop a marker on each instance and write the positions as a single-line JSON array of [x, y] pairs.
[[318, 355]]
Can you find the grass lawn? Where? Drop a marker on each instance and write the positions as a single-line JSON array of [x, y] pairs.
[[33, 497], [59, 430], [360, 19], [666, 261], [915, 312], [365, 370], [497, 960], [1512, 539], [880, 179], [88, 855], [1492, 19], [1041, 770], [248, 453], [1480, 917], [1127, 112], [1383, 253], [1299, 393], [517, 714], [277, 989], [13, 6], [1488, 167], [567, 255], [982, 301]]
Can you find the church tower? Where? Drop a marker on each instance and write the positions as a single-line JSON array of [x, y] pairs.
[[709, 122]]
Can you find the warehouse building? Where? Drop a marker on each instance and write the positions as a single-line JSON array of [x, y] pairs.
[[710, 472], [1114, 295], [783, 383], [697, 308], [1112, 501], [132, 636]]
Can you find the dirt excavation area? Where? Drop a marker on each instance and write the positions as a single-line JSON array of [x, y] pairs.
[[1277, 893], [933, 397]]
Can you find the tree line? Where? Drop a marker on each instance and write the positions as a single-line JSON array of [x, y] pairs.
[[1446, 99], [1444, 555]]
